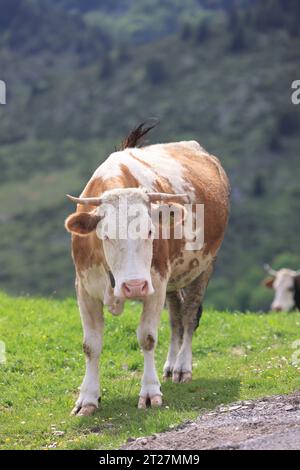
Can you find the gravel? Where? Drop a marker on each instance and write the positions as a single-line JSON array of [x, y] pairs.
[[268, 423]]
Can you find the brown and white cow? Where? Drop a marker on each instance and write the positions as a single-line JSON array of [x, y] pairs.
[[154, 270], [286, 284]]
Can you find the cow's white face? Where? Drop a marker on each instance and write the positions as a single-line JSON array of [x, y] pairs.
[[122, 220], [127, 241], [284, 287]]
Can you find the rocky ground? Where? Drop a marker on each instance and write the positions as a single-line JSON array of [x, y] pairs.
[[268, 423]]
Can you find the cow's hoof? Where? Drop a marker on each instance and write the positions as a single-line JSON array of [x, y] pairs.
[[75, 410], [181, 377], [86, 410], [156, 401], [167, 373], [167, 377], [147, 402]]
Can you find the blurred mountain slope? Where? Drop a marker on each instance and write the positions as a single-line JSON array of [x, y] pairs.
[[222, 77]]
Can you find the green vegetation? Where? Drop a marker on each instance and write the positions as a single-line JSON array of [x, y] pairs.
[[236, 357], [208, 70]]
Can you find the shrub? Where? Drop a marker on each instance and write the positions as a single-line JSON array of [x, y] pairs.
[[155, 71], [202, 32], [186, 32]]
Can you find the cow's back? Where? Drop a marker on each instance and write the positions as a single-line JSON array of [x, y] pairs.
[[181, 167], [173, 167]]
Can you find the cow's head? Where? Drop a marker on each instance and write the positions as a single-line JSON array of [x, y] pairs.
[[122, 220], [286, 284]]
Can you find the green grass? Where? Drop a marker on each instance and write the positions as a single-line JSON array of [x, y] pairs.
[[236, 356]]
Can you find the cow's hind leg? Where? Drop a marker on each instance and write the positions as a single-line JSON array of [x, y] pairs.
[[191, 312], [91, 312], [174, 303]]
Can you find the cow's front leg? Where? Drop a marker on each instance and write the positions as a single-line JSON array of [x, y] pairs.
[[91, 312], [150, 394]]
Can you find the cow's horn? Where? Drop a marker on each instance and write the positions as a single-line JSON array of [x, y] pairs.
[[153, 197], [269, 270], [86, 201]]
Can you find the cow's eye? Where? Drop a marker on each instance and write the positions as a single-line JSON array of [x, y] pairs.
[[106, 237], [150, 234]]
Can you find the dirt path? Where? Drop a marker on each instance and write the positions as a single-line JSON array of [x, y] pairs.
[[269, 423]]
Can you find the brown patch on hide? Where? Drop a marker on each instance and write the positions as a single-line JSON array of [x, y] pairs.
[[142, 162], [194, 263], [148, 343], [87, 350], [160, 257], [131, 181]]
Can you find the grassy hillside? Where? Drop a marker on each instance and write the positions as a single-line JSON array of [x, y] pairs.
[[222, 77], [235, 357]]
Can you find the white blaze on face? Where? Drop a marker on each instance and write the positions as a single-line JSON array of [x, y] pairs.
[[284, 287], [126, 232], [130, 263]]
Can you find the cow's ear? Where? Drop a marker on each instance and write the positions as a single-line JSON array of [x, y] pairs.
[[268, 282], [297, 291], [82, 223], [297, 281]]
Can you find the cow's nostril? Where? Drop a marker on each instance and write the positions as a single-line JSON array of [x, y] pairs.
[[126, 289], [135, 288], [144, 289]]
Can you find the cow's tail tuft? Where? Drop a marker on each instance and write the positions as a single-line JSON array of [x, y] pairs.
[[135, 138]]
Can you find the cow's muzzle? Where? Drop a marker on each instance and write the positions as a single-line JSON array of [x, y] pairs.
[[135, 288], [276, 308]]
